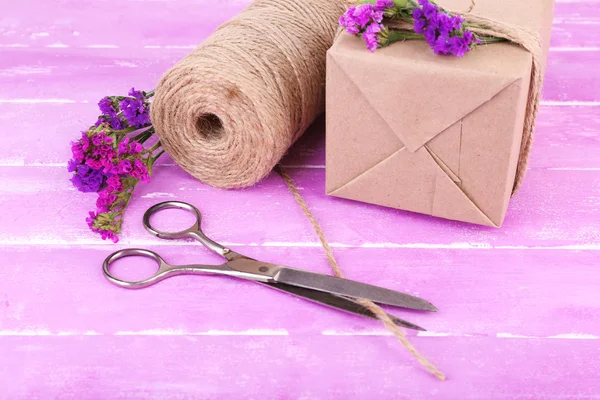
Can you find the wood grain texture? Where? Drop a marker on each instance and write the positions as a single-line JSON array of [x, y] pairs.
[[485, 292], [519, 306], [536, 216], [295, 367]]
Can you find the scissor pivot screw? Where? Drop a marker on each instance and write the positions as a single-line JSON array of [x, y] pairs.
[[263, 269]]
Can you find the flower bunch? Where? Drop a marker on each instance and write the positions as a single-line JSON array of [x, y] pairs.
[[109, 158], [365, 20], [444, 32]]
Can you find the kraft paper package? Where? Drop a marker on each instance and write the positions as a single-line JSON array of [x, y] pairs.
[[432, 134]]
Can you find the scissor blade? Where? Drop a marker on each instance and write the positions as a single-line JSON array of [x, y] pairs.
[[337, 302], [345, 287]]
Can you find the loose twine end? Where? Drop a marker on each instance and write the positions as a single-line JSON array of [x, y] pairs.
[[374, 308]]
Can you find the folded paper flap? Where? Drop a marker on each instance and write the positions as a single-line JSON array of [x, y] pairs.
[[447, 88], [421, 185]]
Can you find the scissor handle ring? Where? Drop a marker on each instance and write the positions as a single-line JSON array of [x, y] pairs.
[[176, 205], [160, 274]]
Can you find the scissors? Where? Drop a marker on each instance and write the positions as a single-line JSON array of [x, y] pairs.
[[327, 290]]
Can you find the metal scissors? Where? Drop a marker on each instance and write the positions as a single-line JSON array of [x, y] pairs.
[[323, 289]]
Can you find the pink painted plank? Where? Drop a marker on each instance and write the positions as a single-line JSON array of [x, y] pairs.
[[540, 215], [553, 208], [576, 24], [533, 293], [569, 76], [294, 367], [88, 74], [566, 137], [161, 23], [151, 23]]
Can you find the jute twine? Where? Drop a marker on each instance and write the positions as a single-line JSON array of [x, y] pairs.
[[230, 110], [374, 308]]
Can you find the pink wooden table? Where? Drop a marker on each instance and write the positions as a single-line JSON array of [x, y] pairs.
[[519, 306]]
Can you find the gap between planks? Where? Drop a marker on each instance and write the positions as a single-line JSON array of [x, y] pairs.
[[548, 103], [282, 332], [191, 47], [94, 244], [21, 163]]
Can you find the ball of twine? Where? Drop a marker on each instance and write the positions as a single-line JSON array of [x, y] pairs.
[[229, 111]]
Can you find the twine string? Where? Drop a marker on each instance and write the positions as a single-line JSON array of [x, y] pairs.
[[374, 308], [229, 110]]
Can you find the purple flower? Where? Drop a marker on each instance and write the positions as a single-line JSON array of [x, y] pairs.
[[72, 165], [138, 94], [371, 36], [363, 15], [429, 10], [442, 31], [106, 106], [365, 20], [136, 109], [124, 167], [381, 5], [105, 200], [87, 179], [109, 114]]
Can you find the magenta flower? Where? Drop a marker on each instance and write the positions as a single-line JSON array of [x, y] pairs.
[[106, 234], [140, 171], [124, 167], [129, 147], [77, 150], [105, 201], [114, 184]]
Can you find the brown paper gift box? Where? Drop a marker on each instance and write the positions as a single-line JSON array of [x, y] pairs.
[[437, 135]]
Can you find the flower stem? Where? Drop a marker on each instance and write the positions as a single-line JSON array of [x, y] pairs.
[[490, 39], [396, 36], [154, 148]]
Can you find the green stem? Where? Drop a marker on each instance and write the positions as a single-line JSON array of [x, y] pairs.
[[151, 166], [126, 131], [154, 148], [142, 137], [397, 36], [490, 39]]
